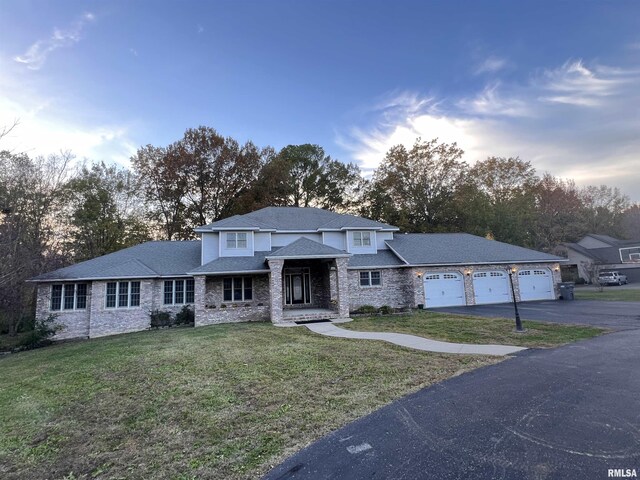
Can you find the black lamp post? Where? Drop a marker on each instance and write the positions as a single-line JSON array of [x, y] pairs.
[[515, 304]]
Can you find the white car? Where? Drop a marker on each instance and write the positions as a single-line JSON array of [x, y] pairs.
[[612, 278]]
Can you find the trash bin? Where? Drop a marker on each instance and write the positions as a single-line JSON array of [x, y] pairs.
[[566, 290]]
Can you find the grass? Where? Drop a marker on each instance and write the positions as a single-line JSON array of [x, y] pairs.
[[466, 329], [8, 343], [226, 401], [612, 294]]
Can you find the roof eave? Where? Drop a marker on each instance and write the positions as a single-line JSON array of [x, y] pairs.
[[310, 257], [237, 272]]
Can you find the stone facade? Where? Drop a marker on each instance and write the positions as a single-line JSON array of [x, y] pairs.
[[397, 289], [211, 308], [332, 285]]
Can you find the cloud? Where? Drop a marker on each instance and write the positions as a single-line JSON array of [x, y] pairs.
[[36, 54], [575, 121], [133, 52], [200, 29], [491, 64], [42, 131]]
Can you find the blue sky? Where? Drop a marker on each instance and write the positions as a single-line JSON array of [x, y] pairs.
[[557, 83]]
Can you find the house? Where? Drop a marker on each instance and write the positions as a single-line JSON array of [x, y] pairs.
[[285, 264], [604, 253]]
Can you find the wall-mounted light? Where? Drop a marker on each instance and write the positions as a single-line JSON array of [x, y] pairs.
[[514, 269], [557, 268], [419, 274], [467, 272]]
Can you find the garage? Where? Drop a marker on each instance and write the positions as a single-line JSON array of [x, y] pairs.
[[444, 289], [491, 287], [536, 284]]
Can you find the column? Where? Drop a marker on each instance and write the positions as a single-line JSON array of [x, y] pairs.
[[275, 289], [342, 277], [199, 299]]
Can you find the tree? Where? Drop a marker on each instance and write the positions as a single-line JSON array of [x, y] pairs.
[[509, 185], [558, 214], [30, 194], [631, 222], [303, 176], [415, 189], [103, 211], [604, 208]]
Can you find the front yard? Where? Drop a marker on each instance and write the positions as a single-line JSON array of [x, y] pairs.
[[224, 401], [613, 294]]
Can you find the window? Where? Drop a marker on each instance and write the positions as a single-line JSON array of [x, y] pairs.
[[236, 240], [178, 292], [370, 279], [361, 239], [122, 295], [237, 289], [70, 296]]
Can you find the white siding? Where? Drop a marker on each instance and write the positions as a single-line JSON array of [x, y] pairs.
[[284, 239], [236, 252], [359, 250], [262, 242], [335, 240], [210, 247], [381, 237]]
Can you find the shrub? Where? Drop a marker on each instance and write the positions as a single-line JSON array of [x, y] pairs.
[[386, 310], [367, 309], [42, 332], [160, 318], [186, 316]]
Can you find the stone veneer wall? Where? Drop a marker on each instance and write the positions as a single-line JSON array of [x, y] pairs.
[[75, 322], [212, 309], [396, 290]]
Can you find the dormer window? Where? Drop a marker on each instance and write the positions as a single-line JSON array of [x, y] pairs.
[[361, 239], [236, 240]]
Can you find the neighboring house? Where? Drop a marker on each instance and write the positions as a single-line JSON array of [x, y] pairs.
[[605, 253], [285, 264]]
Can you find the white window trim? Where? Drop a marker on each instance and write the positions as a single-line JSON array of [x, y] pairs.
[[75, 297], [369, 272], [227, 237], [361, 235], [116, 306], [173, 292]]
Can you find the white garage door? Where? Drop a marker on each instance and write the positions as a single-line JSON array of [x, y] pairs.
[[491, 287], [444, 289], [536, 284]]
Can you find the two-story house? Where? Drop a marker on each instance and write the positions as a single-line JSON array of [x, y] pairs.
[[604, 253], [287, 264]]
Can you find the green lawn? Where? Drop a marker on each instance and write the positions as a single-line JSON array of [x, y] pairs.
[[225, 401], [612, 294], [213, 402], [8, 343], [466, 329]]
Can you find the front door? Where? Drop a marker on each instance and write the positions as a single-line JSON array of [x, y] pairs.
[[297, 286]]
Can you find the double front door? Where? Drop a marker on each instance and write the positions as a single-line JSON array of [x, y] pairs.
[[297, 286]]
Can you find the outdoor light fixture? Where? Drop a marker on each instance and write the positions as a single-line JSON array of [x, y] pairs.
[[519, 328], [467, 272], [419, 274]]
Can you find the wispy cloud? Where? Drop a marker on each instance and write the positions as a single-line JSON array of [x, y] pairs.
[[200, 29], [36, 54], [578, 121], [491, 64]]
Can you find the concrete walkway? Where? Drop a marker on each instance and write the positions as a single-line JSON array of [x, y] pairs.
[[413, 341]]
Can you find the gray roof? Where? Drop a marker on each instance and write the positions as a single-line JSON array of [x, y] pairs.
[[294, 219], [305, 247], [147, 260], [257, 263], [607, 255], [461, 248], [384, 258]]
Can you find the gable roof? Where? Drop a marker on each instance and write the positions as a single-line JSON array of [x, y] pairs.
[[461, 248], [295, 219], [147, 260], [305, 247]]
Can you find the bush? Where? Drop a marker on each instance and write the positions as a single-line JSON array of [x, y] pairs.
[[42, 332], [186, 316], [367, 309], [160, 319], [386, 310]]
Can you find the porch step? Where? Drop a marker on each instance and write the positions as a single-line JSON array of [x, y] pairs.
[[307, 317]]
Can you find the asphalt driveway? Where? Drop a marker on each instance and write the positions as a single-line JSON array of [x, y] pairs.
[[613, 315], [572, 413]]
